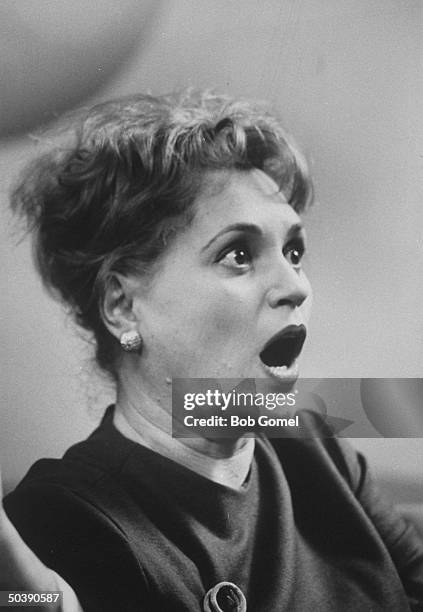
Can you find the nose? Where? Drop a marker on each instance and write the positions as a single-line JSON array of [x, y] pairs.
[[289, 287]]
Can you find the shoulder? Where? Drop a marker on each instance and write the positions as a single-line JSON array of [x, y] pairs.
[[89, 478], [73, 512], [331, 484], [86, 472], [316, 448]]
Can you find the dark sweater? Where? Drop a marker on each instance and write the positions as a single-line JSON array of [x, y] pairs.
[[132, 530]]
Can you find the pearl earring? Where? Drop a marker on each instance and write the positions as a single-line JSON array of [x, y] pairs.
[[131, 341]]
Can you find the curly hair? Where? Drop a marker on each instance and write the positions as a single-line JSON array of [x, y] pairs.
[[109, 199]]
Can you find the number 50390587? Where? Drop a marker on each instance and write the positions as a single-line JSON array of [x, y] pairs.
[[29, 598]]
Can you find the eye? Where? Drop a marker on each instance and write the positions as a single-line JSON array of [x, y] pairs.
[[237, 258], [294, 252]]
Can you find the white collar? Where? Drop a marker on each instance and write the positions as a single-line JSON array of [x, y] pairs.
[[228, 471]]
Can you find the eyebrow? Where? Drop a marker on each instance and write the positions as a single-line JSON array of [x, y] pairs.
[[253, 229]]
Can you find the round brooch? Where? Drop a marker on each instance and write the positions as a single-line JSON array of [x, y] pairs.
[[225, 597]]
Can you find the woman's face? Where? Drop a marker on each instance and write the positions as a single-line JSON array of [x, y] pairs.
[[230, 285]]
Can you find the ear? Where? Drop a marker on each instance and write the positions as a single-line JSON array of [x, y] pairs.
[[117, 305]]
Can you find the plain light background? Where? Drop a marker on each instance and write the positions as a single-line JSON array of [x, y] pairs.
[[346, 78]]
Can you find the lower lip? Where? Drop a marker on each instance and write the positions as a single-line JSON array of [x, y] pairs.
[[283, 373]]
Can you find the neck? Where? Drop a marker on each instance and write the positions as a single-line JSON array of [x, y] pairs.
[[143, 407]]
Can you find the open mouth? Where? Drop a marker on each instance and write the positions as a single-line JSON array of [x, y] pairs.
[[284, 348]]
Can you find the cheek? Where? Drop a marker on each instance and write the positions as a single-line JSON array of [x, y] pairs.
[[210, 318], [199, 320], [217, 316]]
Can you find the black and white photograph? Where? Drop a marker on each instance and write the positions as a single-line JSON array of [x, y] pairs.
[[211, 316]]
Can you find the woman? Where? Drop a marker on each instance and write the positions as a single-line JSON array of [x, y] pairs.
[[171, 226]]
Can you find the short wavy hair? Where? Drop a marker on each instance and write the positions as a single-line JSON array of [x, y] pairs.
[[109, 199]]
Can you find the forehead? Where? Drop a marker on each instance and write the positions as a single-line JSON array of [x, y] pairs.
[[241, 197]]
